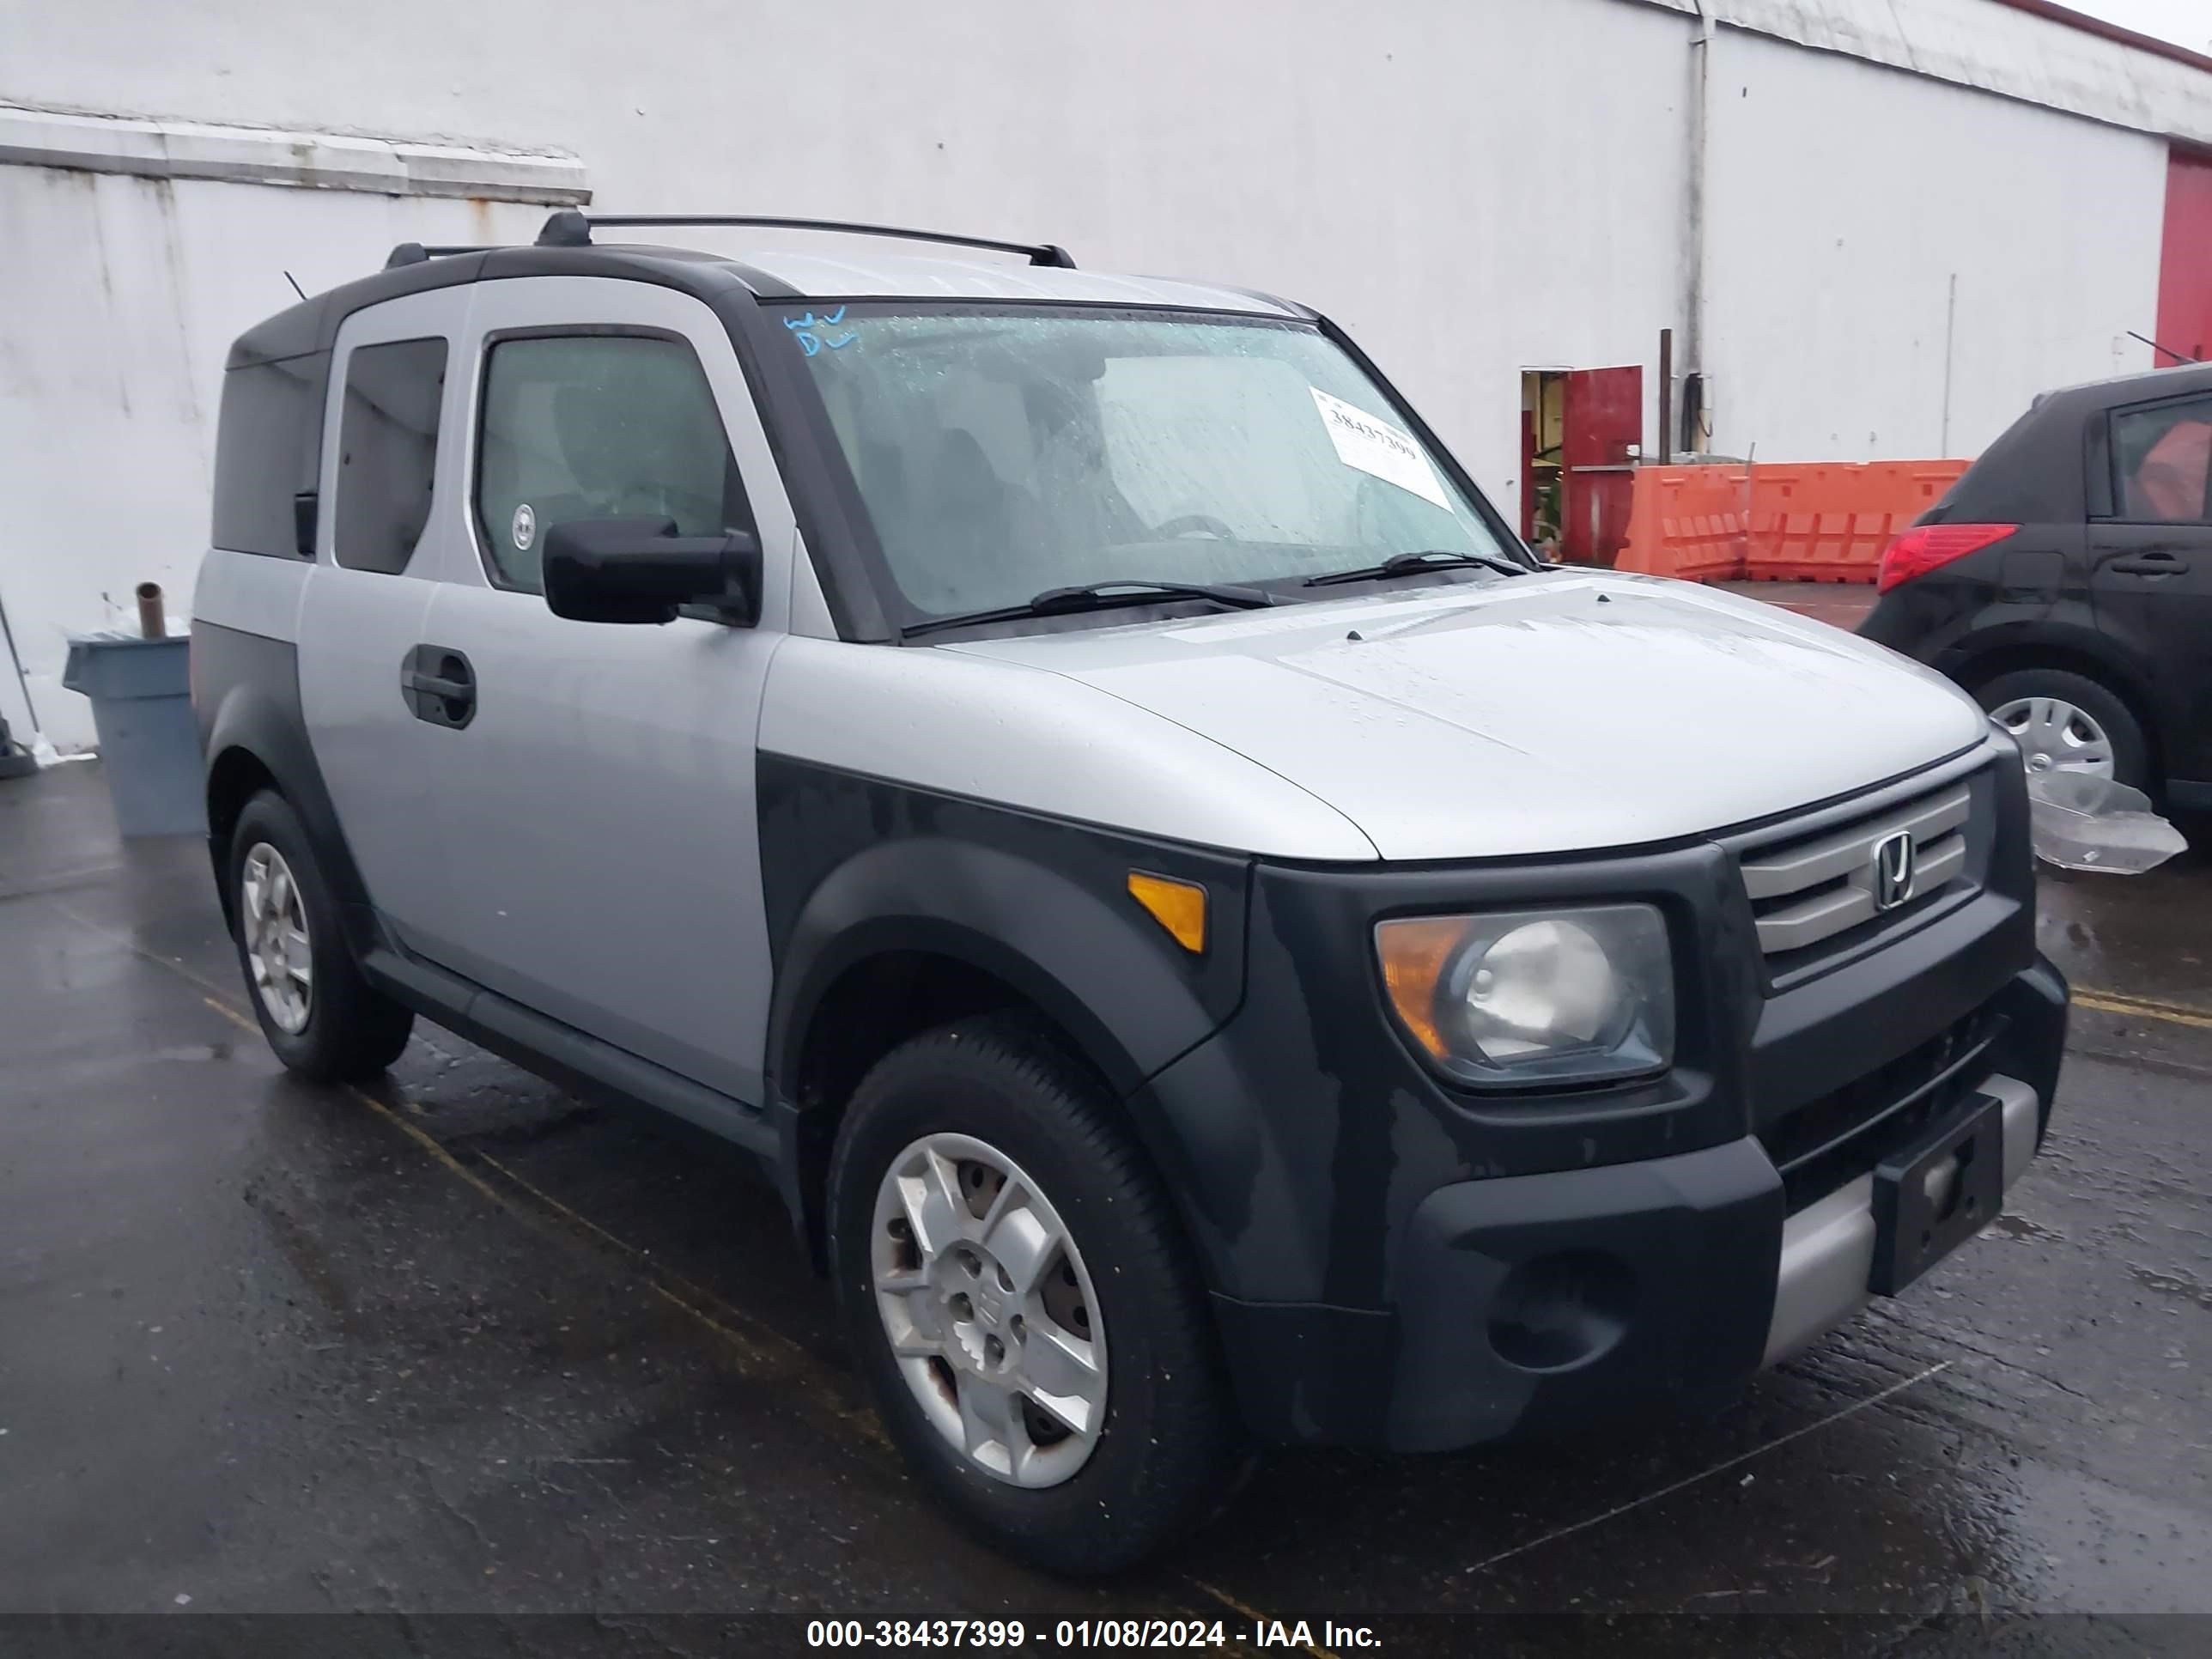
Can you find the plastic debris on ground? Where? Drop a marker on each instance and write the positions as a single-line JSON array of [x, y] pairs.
[[2085, 822]]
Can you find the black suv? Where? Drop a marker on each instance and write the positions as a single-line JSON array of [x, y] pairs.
[[2066, 581]]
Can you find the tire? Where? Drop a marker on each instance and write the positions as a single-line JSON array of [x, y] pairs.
[[1168, 1447], [2130, 752], [351, 1032]]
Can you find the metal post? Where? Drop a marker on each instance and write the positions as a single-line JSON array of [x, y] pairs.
[[1950, 340], [22, 680], [1666, 397], [1693, 343], [1750, 497]]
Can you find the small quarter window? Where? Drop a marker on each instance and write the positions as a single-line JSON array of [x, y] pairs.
[[387, 453], [2163, 459], [269, 442], [597, 426]]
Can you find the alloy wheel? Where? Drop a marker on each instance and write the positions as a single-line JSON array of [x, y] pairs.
[[276, 946], [991, 1313]]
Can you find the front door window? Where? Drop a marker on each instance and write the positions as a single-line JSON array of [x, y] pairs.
[[597, 426]]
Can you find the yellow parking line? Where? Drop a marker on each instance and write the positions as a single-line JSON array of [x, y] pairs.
[[205, 987], [694, 1302], [763, 1346], [1254, 1614], [678, 1293], [231, 1014], [2118, 1002], [670, 1287]]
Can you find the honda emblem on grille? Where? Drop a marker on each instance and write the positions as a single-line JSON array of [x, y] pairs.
[[1893, 870]]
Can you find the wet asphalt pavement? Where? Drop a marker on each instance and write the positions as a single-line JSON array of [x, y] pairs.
[[462, 1344]]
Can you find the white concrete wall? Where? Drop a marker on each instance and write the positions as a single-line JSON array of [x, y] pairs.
[[1844, 195], [1379, 159], [119, 299]]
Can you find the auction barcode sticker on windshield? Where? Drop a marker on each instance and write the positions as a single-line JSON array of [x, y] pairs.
[[1376, 446]]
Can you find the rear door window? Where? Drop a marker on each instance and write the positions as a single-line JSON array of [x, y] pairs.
[[597, 426], [2162, 461], [387, 453]]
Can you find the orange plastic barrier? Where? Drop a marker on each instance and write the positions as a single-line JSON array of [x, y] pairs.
[[1688, 521], [1824, 522], [1810, 521]]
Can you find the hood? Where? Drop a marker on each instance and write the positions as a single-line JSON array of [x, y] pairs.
[[1561, 712]]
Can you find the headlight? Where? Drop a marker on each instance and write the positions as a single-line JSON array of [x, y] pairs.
[[1527, 996]]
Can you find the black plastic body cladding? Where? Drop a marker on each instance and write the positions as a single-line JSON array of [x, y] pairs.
[[246, 693], [853, 868]]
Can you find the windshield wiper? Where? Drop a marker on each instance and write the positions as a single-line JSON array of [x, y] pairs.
[[1411, 564], [1102, 596]]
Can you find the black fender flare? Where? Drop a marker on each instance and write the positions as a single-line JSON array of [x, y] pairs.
[[248, 702], [1102, 972]]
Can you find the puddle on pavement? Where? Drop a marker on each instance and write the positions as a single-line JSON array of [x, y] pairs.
[[2074, 1544], [2138, 935]]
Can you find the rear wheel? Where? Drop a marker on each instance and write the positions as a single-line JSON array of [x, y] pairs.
[[2067, 722], [322, 1017], [1015, 1287]]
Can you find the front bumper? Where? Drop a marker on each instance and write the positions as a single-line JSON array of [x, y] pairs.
[[1828, 1248], [1536, 1304]]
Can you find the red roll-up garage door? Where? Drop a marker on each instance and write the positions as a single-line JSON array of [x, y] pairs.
[[2184, 277]]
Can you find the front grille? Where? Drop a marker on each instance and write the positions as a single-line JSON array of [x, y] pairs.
[[1839, 1137], [1806, 890]]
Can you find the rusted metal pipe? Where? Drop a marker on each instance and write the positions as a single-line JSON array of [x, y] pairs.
[[152, 624]]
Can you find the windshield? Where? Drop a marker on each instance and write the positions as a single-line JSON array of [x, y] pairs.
[[1000, 454]]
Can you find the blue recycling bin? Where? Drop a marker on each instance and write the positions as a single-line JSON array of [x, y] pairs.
[[150, 746]]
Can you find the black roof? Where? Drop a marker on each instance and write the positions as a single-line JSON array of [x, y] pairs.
[[2187, 380], [2033, 473], [312, 325], [564, 248]]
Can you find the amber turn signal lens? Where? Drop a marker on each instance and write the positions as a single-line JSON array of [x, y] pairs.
[[1414, 954], [1177, 906]]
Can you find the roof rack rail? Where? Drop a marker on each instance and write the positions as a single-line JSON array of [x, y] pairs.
[[570, 228]]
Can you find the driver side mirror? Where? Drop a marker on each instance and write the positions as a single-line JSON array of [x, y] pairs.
[[639, 570]]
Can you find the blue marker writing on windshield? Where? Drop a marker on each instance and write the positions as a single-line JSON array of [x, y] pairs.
[[811, 331]]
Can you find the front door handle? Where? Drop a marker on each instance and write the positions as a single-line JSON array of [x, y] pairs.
[[439, 685], [2152, 564]]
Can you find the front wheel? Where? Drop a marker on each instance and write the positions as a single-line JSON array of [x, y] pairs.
[[1015, 1289], [322, 1017]]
